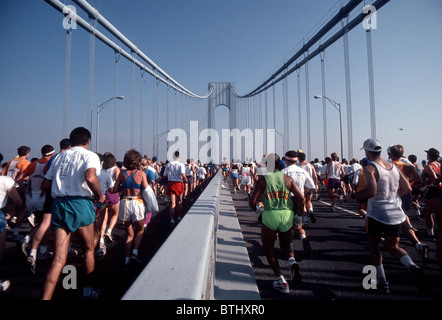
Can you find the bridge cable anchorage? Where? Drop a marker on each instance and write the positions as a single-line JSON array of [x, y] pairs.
[[61, 7], [343, 12]]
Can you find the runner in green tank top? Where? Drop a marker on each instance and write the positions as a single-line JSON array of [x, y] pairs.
[[273, 190], [278, 213]]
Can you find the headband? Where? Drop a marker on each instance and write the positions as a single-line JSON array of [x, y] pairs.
[[48, 153]]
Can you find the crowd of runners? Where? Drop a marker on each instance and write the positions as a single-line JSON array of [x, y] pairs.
[[387, 192], [77, 190]]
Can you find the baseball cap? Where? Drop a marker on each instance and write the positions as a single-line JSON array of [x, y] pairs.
[[432, 152], [372, 145]]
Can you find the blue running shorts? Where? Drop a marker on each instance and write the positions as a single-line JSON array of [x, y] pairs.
[[72, 212]]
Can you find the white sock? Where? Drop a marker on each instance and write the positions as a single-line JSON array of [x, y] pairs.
[[282, 279], [27, 238], [406, 260], [127, 260], [135, 252], [302, 236], [33, 253], [430, 231]]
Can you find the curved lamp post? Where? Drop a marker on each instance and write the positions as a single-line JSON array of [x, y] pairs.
[[337, 106], [100, 108]]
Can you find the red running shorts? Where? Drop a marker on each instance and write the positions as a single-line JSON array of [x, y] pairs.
[[176, 188]]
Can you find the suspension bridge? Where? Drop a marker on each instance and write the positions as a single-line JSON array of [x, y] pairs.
[[257, 108]]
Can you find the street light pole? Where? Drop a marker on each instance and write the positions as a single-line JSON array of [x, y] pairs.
[[337, 106], [100, 108]]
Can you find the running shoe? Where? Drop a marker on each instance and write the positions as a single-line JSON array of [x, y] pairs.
[[295, 274], [90, 293], [281, 286], [24, 247], [383, 287], [421, 280], [108, 237], [31, 219], [101, 251], [31, 265], [135, 258], [4, 285]]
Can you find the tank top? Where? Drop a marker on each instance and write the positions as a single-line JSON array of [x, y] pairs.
[[130, 183], [334, 171], [436, 170], [385, 206], [276, 196], [12, 169], [111, 171], [36, 178]]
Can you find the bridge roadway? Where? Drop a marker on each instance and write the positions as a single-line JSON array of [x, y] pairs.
[[332, 272], [339, 253]]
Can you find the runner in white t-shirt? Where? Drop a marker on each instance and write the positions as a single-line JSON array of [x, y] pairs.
[[305, 184], [73, 174], [175, 173]]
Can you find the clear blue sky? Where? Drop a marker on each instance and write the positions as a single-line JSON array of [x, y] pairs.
[[202, 41]]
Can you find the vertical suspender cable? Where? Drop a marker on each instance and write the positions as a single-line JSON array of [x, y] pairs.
[[266, 115], [176, 110], [298, 74], [132, 103], [274, 108], [348, 92], [371, 84], [307, 101], [324, 103], [117, 59], [90, 91], [286, 114], [167, 118], [153, 115], [141, 110], [67, 76]]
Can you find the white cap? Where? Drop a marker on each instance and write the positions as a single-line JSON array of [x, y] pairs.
[[372, 145]]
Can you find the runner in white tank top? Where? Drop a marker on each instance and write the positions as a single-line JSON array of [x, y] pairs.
[[385, 184], [385, 206]]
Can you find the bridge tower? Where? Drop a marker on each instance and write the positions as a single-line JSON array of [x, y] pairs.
[[222, 94]]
